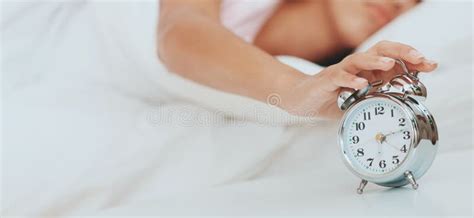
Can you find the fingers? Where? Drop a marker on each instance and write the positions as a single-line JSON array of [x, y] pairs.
[[398, 50], [425, 66], [344, 74], [339, 78], [410, 55], [380, 58], [358, 62]]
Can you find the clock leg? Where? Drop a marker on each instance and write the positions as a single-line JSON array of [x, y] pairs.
[[411, 179], [362, 185]]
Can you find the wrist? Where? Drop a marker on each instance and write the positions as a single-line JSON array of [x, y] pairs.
[[285, 85]]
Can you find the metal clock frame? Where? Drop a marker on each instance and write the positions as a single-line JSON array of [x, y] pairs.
[[422, 149]]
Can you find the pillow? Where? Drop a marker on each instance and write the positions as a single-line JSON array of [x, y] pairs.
[[442, 30], [430, 27]]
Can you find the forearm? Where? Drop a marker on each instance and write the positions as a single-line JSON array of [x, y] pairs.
[[199, 48]]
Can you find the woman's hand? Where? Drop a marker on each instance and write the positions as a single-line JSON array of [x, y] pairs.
[[317, 95]]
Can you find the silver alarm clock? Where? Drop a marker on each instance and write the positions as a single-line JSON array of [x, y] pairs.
[[387, 136]]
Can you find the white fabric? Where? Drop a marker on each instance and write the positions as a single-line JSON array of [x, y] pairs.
[[88, 130]]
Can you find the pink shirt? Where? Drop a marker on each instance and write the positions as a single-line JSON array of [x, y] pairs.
[[246, 17]]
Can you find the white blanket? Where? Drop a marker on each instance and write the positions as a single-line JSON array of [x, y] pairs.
[[87, 131]]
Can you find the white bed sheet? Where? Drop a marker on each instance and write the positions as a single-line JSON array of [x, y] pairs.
[[86, 131]]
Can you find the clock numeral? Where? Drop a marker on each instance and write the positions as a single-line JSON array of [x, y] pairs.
[[404, 149], [406, 135], [371, 160], [360, 126], [391, 111], [355, 139], [366, 115], [401, 122], [382, 164], [395, 159], [379, 110], [360, 152]]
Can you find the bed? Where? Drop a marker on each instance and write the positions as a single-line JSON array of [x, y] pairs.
[[93, 124]]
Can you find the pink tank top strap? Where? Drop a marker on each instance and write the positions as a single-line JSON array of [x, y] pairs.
[[246, 17]]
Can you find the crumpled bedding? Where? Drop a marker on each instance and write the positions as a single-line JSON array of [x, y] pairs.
[[86, 131]]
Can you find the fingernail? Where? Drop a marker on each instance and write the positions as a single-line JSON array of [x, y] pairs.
[[386, 60], [431, 62], [416, 54], [360, 80]]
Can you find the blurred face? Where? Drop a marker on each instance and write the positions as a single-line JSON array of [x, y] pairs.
[[356, 20]]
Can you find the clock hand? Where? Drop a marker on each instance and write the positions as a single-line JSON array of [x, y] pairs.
[[379, 154], [379, 138], [394, 132], [391, 145]]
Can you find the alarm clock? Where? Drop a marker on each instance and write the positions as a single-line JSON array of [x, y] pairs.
[[387, 136]]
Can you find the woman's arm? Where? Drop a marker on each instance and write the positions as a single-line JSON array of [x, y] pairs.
[[194, 44]]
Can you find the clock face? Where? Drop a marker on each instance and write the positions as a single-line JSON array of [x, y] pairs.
[[377, 136]]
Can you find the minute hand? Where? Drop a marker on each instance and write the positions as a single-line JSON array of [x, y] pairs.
[[391, 145], [394, 132]]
